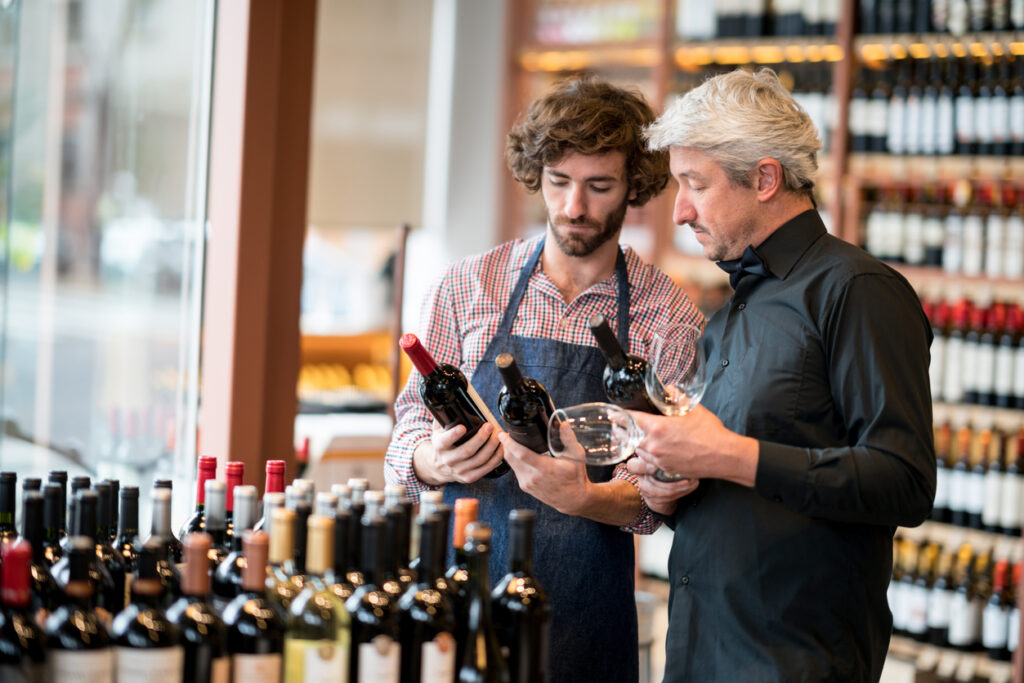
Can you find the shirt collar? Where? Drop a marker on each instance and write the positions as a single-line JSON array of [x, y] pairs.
[[782, 249]]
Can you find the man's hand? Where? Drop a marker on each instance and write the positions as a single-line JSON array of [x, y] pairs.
[[698, 446], [440, 461], [660, 496], [562, 484]]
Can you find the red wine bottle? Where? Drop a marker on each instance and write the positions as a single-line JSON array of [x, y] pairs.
[[522, 612], [256, 629], [457, 575], [524, 405], [128, 527], [481, 660], [234, 473], [624, 374], [227, 579], [202, 631], [54, 522], [44, 592], [376, 652], [22, 641], [427, 616], [449, 396], [207, 469], [147, 645]]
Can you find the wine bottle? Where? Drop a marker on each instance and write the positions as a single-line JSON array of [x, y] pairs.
[[975, 502], [326, 503], [77, 641], [214, 522], [995, 620], [128, 527], [205, 469], [108, 598], [427, 618], [316, 646], [295, 567], [624, 375], [280, 587], [940, 599], [964, 607], [449, 396], [255, 628], [338, 578], [53, 522], [105, 553], [466, 512], [8, 496], [115, 499], [1013, 485], [995, 459], [398, 513], [919, 591], [44, 591], [524, 405], [234, 474], [147, 644], [203, 633], [376, 652], [22, 641], [271, 501], [28, 485], [481, 661], [522, 612], [429, 500], [273, 484], [227, 578], [357, 506], [943, 462], [161, 523]]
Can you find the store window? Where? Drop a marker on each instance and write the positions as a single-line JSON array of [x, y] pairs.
[[104, 119]]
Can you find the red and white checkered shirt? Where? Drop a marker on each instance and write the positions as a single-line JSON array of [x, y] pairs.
[[462, 313]]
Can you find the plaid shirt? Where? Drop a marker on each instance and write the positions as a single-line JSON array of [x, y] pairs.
[[464, 309]]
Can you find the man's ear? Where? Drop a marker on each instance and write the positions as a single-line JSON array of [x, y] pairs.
[[768, 178]]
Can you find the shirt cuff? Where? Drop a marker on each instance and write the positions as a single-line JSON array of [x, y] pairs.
[[781, 473]]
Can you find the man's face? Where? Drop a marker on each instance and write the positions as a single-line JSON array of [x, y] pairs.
[[723, 216], [586, 197]]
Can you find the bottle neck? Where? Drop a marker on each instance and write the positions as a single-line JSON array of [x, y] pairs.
[[8, 485], [608, 343], [479, 575], [373, 552], [162, 518], [274, 482], [128, 522], [206, 472], [521, 548]]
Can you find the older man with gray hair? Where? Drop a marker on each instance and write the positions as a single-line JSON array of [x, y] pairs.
[[815, 438]]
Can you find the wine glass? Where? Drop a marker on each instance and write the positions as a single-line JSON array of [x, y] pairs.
[[594, 433], [675, 377]]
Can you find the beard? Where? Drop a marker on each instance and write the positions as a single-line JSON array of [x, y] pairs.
[[572, 244]]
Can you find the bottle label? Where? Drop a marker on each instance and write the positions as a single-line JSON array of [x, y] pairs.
[[957, 490], [1003, 383], [993, 492], [256, 668], [941, 488], [912, 125], [438, 659], [379, 660], [896, 128], [220, 670], [1009, 501], [71, 666], [929, 124], [315, 660], [1013, 632], [938, 608], [1016, 117], [897, 595], [975, 493], [945, 136], [917, 610], [983, 119], [1018, 373], [965, 132], [994, 627], [878, 117], [952, 386], [969, 360], [962, 621], [135, 665], [938, 360], [985, 357], [1000, 111]]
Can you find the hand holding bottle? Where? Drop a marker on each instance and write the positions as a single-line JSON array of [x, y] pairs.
[[444, 459], [559, 482]]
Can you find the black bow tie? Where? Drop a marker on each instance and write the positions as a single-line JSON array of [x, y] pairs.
[[751, 262]]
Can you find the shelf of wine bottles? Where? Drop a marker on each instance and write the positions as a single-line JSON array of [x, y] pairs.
[[953, 597], [956, 17], [309, 586]]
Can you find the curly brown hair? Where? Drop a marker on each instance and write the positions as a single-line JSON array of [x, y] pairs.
[[589, 116]]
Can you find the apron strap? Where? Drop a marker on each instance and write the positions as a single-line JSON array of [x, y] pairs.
[[512, 309]]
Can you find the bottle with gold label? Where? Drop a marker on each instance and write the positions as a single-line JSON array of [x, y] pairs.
[[316, 646]]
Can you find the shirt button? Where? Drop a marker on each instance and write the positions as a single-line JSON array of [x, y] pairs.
[[741, 306], [684, 581], [725, 362]]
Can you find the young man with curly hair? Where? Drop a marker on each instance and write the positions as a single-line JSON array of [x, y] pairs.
[[581, 146]]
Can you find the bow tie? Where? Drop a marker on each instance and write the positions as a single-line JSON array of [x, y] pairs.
[[751, 262]]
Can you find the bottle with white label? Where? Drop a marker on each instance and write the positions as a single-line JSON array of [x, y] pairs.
[[992, 443], [966, 97], [316, 646], [255, 628], [995, 621], [939, 599], [78, 642], [959, 481], [965, 606], [147, 645], [376, 652], [919, 590]]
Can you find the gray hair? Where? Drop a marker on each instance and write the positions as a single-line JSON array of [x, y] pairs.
[[739, 118]]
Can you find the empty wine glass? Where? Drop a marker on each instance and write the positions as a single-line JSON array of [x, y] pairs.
[[675, 378], [594, 433]]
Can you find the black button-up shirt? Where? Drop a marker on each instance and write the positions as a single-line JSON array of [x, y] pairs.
[[824, 360]]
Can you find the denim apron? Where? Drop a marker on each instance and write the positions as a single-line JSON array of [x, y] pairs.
[[586, 567]]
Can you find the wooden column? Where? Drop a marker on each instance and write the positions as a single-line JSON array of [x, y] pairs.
[[259, 150]]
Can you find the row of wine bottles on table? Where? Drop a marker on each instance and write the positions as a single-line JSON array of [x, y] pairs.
[[923, 227], [980, 479], [940, 106], [940, 16], [326, 591], [955, 596], [977, 354]]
